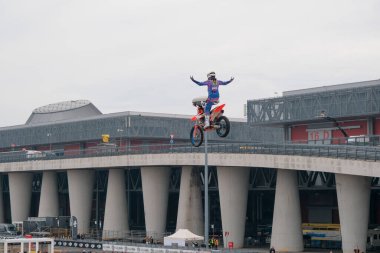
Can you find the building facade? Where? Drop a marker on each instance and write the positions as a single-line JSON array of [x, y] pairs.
[[246, 203], [346, 114]]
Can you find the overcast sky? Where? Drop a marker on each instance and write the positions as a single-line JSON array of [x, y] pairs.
[[138, 55]]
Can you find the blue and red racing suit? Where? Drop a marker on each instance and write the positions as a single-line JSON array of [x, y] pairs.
[[213, 91]]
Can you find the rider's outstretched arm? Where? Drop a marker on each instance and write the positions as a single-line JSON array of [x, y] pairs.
[[197, 82], [226, 82]]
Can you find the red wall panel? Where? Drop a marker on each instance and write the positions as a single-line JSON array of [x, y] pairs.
[[298, 133], [91, 144], [43, 148], [72, 149]]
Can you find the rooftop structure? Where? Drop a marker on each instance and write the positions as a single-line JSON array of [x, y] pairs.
[[80, 121], [332, 87], [74, 109], [361, 99]]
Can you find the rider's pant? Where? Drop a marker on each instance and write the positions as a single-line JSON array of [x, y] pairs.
[[210, 102]]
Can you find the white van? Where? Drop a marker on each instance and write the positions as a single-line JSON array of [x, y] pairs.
[[30, 154], [358, 140]]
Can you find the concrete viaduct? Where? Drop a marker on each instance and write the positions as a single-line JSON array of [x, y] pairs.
[[354, 167]]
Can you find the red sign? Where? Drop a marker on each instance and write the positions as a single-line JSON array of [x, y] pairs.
[[230, 245], [319, 135]]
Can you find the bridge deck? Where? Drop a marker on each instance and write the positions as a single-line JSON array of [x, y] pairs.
[[354, 160]]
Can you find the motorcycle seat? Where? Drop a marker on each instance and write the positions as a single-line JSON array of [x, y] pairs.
[[201, 101]]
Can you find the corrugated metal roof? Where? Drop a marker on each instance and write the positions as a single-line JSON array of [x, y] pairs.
[[331, 88], [62, 106]]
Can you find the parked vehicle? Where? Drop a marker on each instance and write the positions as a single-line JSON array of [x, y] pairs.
[[8, 230], [373, 239]]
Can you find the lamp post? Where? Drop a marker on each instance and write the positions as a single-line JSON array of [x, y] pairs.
[[49, 135], [120, 131], [128, 133], [323, 115], [206, 192]]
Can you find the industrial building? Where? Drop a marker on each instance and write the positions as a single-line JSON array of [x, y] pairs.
[[127, 186]]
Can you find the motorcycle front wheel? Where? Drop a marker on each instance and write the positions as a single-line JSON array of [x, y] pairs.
[[197, 137], [224, 126]]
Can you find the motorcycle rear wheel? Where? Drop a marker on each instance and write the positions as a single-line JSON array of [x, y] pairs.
[[224, 126], [197, 137]]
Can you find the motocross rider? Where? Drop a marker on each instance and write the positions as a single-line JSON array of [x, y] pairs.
[[213, 92]]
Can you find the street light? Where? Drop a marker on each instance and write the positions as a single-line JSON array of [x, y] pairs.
[[49, 135], [206, 192], [323, 115], [119, 130]]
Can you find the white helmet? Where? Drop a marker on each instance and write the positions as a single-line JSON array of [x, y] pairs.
[[211, 75]]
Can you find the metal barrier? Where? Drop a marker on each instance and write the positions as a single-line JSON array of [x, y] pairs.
[[368, 153], [136, 241]]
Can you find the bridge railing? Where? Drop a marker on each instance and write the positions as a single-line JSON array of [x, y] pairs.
[[371, 153], [360, 140]]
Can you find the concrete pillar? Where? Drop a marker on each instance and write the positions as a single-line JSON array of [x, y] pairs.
[[287, 227], [190, 213], [233, 194], [20, 187], [353, 194], [81, 186], [155, 184], [116, 212], [49, 195], [1, 200]]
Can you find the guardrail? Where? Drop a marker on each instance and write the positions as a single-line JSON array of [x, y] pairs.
[[368, 153], [360, 140]]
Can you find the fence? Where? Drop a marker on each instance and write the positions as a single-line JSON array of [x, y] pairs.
[[358, 152]]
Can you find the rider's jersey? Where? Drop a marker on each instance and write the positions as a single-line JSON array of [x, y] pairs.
[[212, 87]]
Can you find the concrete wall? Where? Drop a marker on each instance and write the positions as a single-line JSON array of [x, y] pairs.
[[332, 165]]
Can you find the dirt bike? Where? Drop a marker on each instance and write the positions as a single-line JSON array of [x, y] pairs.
[[218, 122]]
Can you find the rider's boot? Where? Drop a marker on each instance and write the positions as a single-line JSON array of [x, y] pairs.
[[207, 121]]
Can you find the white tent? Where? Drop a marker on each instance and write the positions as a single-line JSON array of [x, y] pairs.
[[180, 238]]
